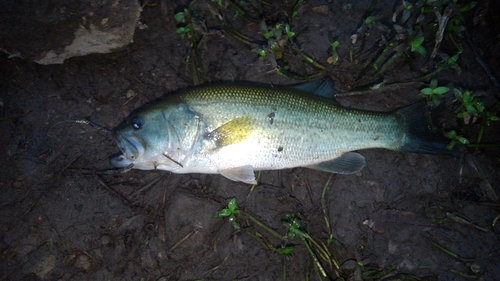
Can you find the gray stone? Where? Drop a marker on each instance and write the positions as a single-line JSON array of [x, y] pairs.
[[49, 32]]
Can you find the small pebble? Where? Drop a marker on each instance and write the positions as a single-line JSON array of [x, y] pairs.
[[17, 184], [105, 239], [130, 94], [83, 262]]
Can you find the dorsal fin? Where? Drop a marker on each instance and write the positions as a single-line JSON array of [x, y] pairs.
[[320, 87]]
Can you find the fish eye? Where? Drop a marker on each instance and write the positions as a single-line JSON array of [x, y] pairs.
[[136, 123]]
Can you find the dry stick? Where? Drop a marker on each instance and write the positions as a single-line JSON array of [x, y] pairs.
[[191, 233], [442, 20], [32, 205], [171, 159], [482, 63], [486, 188], [86, 121], [386, 87], [145, 187], [123, 198], [465, 222]]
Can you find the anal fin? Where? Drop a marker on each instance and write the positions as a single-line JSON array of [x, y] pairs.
[[244, 174], [348, 163]]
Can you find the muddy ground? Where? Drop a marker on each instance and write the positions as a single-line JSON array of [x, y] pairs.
[[61, 219]]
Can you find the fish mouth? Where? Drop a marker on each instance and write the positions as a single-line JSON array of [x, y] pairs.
[[131, 150]]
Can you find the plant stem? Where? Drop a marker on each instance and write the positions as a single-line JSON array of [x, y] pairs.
[[259, 223]]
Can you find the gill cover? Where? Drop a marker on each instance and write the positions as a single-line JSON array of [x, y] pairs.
[[157, 136]]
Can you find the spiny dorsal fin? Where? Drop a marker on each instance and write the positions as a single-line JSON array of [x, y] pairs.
[[320, 87], [348, 163]]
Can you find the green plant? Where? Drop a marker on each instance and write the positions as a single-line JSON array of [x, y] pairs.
[[335, 56], [289, 33], [416, 45], [185, 27], [219, 2], [433, 93], [468, 104], [231, 212], [455, 139], [370, 20], [318, 252], [468, 110], [487, 117]]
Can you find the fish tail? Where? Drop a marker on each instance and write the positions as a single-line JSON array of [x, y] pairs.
[[418, 135]]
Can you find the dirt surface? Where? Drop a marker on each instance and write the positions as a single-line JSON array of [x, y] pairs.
[[425, 216]]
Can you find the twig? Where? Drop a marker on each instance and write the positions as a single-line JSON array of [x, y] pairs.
[[123, 198], [171, 159], [87, 121], [442, 20], [193, 232], [481, 62], [145, 187]]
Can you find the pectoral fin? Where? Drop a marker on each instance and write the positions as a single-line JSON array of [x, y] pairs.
[[244, 174], [233, 131], [348, 163]]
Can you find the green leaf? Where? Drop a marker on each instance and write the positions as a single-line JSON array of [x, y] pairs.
[[219, 2], [436, 100], [421, 50], [451, 145], [462, 140], [232, 204], [451, 134], [467, 7], [224, 213], [370, 20], [426, 91], [433, 83], [289, 32], [494, 118], [453, 59], [267, 34], [466, 96], [471, 109], [417, 42], [285, 251], [441, 90], [179, 17]]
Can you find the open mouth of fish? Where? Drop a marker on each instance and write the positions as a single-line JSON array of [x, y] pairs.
[[131, 149]]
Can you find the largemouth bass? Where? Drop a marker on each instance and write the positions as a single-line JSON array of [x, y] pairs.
[[234, 130]]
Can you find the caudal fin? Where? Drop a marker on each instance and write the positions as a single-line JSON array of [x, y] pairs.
[[419, 137]]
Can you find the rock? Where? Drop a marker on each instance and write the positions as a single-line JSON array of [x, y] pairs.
[[40, 262], [322, 9], [83, 262], [49, 32]]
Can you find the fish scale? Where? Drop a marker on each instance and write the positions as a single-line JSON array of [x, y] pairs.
[[309, 129]]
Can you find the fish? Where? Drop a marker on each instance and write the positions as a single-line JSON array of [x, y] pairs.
[[235, 129]]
